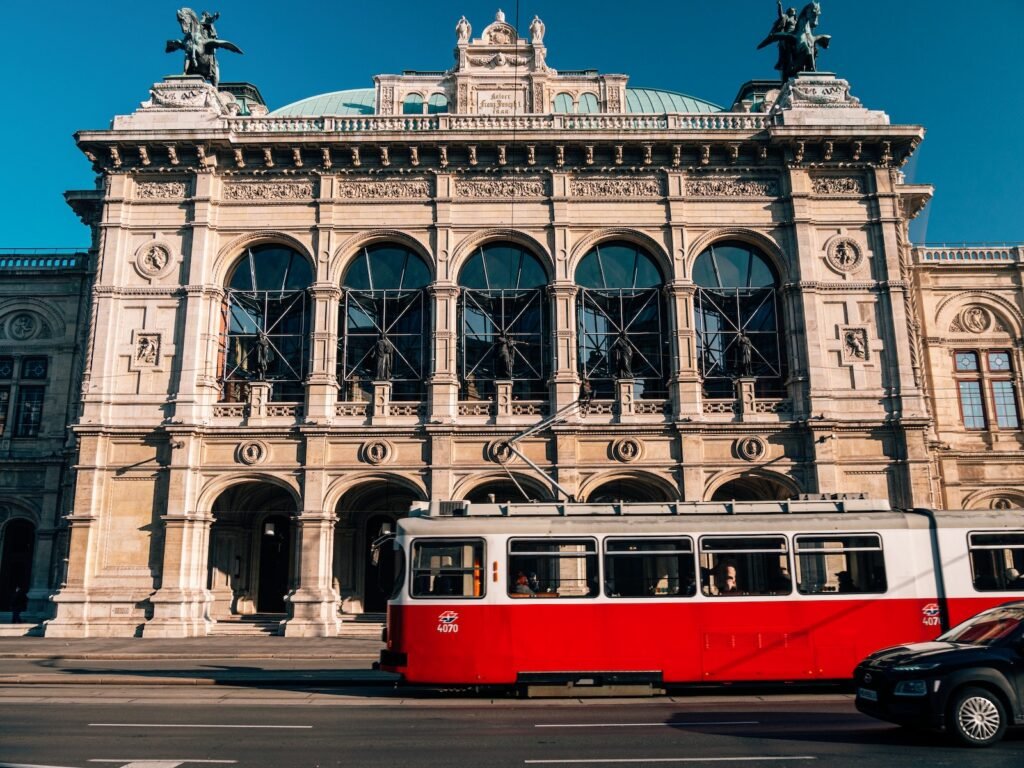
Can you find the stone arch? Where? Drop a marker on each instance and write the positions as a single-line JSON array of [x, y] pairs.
[[767, 245], [990, 497], [657, 488], [18, 509], [216, 487], [752, 485], [344, 254], [1001, 309], [462, 252], [337, 491], [635, 237], [229, 254], [476, 484], [53, 325]]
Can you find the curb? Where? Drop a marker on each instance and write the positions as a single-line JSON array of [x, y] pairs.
[[163, 680]]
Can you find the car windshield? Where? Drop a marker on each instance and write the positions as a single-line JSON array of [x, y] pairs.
[[986, 628]]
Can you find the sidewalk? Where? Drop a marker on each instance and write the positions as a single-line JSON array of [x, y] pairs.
[[280, 661]]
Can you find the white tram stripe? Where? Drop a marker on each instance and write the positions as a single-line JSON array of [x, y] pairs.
[[645, 725], [187, 725], [674, 760]]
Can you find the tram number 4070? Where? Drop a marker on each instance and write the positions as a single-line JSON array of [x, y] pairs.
[[447, 623]]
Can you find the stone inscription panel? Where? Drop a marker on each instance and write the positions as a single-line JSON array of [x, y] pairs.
[[496, 102]]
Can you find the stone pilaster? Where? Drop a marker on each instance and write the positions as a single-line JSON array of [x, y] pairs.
[[315, 602], [565, 384], [322, 386], [444, 384], [179, 606]]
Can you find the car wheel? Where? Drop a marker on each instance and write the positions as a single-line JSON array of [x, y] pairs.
[[976, 717]]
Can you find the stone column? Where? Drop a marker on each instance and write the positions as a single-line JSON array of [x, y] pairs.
[[565, 383], [685, 389], [314, 603], [179, 605], [444, 384], [72, 619], [322, 385]]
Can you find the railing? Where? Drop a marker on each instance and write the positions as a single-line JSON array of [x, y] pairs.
[[715, 121], [41, 258], [963, 254]]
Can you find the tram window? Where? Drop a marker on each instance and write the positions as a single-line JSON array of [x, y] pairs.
[[997, 561], [448, 568], [840, 564], [744, 565], [649, 568], [552, 568]]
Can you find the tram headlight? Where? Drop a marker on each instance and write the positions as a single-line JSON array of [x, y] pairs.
[[911, 688], [923, 667]]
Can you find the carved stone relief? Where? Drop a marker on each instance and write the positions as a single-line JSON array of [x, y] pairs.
[[732, 187], [147, 350], [843, 254], [855, 344], [252, 452], [153, 259], [500, 188], [627, 449], [376, 451], [499, 452], [751, 448], [268, 190], [635, 187], [386, 190], [975, 319], [161, 190], [22, 326], [838, 185]]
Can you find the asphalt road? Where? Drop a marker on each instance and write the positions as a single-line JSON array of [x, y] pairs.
[[144, 727]]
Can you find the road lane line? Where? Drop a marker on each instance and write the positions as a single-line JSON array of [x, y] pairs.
[[186, 725], [640, 725], [672, 760], [149, 762]]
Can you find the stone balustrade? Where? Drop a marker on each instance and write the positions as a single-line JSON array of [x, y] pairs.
[[965, 254]]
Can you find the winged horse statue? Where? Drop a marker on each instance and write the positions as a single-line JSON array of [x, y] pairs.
[[200, 44], [798, 45]]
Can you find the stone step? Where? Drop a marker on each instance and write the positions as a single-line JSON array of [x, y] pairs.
[[361, 625], [257, 625]]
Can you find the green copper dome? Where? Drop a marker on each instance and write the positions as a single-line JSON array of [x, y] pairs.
[[359, 101]]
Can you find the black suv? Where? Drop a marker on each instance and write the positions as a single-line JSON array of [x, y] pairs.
[[969, 680]]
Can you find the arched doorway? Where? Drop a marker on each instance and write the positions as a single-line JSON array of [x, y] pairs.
[[507, 491], [251, 565], [629, 490], [19, 539], [752, 488], [365, 584]]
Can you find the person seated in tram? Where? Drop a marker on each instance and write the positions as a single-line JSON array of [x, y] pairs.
[[726, 581], [845, 582], [521, 585], [1013, 579]]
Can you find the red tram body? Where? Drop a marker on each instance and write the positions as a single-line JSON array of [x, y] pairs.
[[545, 593]]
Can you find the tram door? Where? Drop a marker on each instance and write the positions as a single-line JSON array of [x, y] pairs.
[[379, 571], [274, 564]]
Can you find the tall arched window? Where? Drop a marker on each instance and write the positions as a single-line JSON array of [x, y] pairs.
[[413, 104], [737, 320], [503, 322], [438, 104], [267, 323], [563, 103], [589, 103], [384, 324], [620, 318]]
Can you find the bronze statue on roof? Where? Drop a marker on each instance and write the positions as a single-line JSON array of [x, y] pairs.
[[798, 45], [200, 44]]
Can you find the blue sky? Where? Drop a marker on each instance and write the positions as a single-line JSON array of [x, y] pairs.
[[74, 65]]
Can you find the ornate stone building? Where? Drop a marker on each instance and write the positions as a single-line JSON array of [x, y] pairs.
[[504, 281]]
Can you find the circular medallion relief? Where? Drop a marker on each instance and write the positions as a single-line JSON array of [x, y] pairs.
[[23, 326], [376, 451], [751, 448], [627, 449], [843, 254], [499, 452], [153, 259], [253, 452], [975, 319]]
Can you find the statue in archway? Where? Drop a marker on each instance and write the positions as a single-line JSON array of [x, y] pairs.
[[200, 44], [384, 352], [622, 357]]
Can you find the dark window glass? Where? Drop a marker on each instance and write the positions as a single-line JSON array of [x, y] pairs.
[[999, 361], [563, 103], [504, 322], [744, 565], [1005, 400], [620, 308], [997, 561], [649, 568], [29, 411], [34, 368], [413, 104], [448, 568], [971, 405], [589, 104], [438, 104], [966, 361], [840, 564], [5, 402], [737, 321], [553, 568], [6, 367]]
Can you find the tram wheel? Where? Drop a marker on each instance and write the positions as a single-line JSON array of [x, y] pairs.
[[977, 718]]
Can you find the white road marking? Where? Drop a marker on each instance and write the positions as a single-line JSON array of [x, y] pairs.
[[187, 725], [149, 762], [674, 760], [644, 725]]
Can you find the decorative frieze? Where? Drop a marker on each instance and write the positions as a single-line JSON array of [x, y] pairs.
[[268, 190], [838, 185], [624, 187], [732, 187], [499, 188], [161, 190], [384, 190]]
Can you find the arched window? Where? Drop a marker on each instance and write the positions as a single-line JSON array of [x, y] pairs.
[[621, 331], [563, 103], [384, 324], [438, 104], [413, 104], [503, 322], [589, 104], [737, 320]]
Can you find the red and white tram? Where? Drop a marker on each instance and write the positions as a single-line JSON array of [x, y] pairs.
[[533, 594]]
